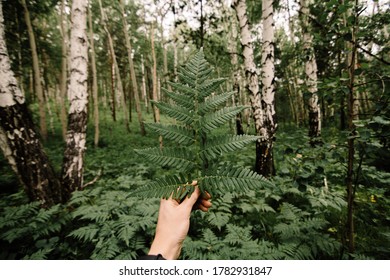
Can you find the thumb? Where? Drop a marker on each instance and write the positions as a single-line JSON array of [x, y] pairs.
[[189, 202]]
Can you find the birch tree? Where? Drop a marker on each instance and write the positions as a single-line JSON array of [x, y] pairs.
[[64, 69], [262, 103], [94, 81], [232, 47], [252, 78], [310, 75], [36, 72], [264, 147], [72, 169], [19, 141]]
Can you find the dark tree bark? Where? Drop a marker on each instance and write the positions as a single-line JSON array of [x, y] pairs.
[[19, 140]]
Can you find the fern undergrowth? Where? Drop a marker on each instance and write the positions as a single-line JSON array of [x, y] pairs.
[[198, 108]]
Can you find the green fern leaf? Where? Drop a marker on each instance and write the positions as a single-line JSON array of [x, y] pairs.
[[41, 254], [165, 187], [214, 120], [184, 90], [214, 102], [217, 146], [179, 113], [196, 101], [86, 233], [125, 228], [210, 86], [174, 157], [232, 179], [175, 133], [181, 99]]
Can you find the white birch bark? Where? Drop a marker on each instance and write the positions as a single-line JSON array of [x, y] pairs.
[[64, 70], [94, 81], [252, 78], [265, 146], [310, 73], [72, 171], [146, 99]]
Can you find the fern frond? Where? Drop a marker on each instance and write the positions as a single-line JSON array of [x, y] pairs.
[[176, 112], [180, 99], [210, 86], [174, 157], [198, 111], [227, 144], [41, 254], [232, 179], [176, 133], [238, 235], [214, 120], [184, 90], [125, 228], [165, 187], [86, 233], [214, 102], [106, 249]]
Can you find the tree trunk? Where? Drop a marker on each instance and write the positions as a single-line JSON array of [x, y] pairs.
[[145, 95], [18, 139], [113, 83], [264, 147], [252, 78], [311, 77], [132, 71], [352, 115], [64, 71], [94, 81], [155, 97], [72, 169], [115, 68], [36, 72], [236, 72]]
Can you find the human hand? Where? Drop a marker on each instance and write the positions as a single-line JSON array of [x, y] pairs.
[[174, 222]]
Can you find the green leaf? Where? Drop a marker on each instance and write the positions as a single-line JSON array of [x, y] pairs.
[[214, 120], [210, 86], [214, 102], [165, 187], [233, 179], [226, 144], [177, 112], [176, 133], [184, 90], [181, 99], [174, 157]]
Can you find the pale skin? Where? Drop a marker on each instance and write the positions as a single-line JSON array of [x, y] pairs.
[[174, 222]]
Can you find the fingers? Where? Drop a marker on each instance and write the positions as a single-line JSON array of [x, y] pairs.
[[196, 201], [204, 205]]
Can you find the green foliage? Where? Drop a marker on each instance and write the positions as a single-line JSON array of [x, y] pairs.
[[296, 218], [198, 109]]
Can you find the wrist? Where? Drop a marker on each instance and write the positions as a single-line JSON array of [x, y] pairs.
[[168, 250]]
